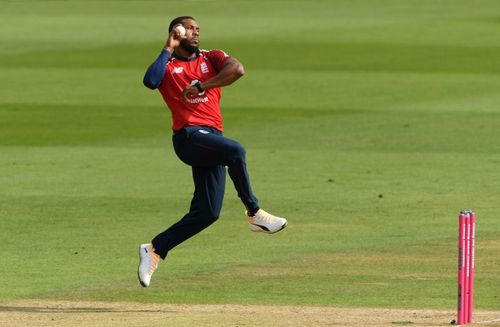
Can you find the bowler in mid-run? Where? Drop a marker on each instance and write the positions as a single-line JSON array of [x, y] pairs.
[[190, 81]]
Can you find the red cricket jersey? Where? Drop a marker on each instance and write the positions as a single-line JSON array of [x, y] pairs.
[[203, 109]]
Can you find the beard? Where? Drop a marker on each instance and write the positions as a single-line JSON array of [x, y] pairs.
[[188, 47]]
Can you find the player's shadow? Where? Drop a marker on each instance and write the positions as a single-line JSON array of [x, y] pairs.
[[50, 309]]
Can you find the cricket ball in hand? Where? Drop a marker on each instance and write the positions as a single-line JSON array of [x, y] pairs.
[[180, 30]]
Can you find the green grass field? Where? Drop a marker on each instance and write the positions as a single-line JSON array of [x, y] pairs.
[[368, 124]]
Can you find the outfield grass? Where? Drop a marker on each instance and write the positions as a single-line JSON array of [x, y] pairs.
[[368, 124]]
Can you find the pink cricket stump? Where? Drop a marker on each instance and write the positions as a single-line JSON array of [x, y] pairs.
[[461, 269], [467, 269], [466, 243], [472, 221]]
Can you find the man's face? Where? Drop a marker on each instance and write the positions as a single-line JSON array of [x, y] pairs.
[[192, 41]]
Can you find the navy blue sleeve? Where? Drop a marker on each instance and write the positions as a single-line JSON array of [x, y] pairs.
[[156, 72]]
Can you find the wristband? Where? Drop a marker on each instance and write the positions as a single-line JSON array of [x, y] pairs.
[[198, 86]]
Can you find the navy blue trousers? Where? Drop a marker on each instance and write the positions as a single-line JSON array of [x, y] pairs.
[[208, 152]]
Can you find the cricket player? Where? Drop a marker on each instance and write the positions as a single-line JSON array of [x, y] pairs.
[[190, 80]]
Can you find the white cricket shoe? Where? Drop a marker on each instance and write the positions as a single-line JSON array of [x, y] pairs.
[[148, 263], [265, 222]]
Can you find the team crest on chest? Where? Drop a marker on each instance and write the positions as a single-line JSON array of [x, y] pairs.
[[204, 67]]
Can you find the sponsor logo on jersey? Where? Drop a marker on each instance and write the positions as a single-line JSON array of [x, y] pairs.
[[197, 100], [178, 70]]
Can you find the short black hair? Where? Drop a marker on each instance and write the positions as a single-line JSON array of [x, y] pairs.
[[177, 21]]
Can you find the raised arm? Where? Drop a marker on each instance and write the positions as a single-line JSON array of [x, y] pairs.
[[155, 73]]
